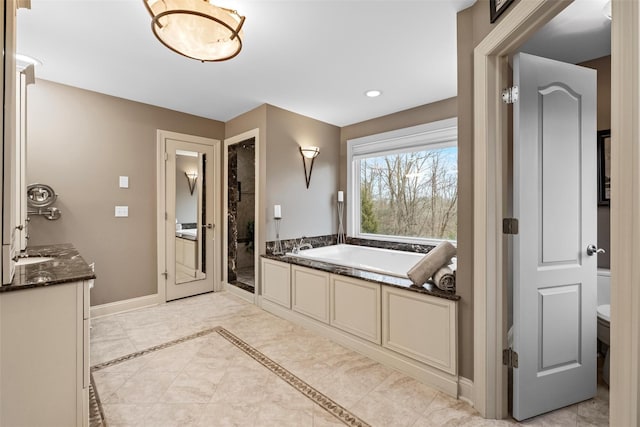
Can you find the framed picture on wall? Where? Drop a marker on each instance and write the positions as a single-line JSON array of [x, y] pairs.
[[497, 7], [604, 167]]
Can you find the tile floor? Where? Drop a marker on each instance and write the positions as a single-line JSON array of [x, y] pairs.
[[207, 381]]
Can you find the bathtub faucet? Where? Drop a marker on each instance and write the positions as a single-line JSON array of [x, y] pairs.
[[300, 246]]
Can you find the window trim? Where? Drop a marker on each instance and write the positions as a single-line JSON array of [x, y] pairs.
[[434, 135]]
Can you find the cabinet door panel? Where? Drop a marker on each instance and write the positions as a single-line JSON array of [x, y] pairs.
[[355, 307], [276, 282], [421, 327], [310, 293]]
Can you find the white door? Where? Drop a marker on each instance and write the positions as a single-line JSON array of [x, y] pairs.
[[190, 218], [555, 184]]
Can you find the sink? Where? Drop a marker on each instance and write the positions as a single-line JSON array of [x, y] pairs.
[[32, 260]]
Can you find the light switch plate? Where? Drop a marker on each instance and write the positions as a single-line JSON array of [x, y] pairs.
[[124, 182], [122, 211]]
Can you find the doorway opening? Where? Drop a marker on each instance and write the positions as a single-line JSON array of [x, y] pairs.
[[188, 215], [241, 202], [241, 250], [490, 170]]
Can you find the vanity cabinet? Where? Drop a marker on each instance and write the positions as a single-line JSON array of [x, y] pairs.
[[276, 282], [310, 292], [355, 307], [44, 358], [421, 327], [186, 256], [413, 332]]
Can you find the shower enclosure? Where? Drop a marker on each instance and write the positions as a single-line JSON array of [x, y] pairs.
[[241, 202]]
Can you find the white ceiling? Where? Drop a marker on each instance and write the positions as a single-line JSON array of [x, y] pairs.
[[579, 33], [316, 58], [313, 57]]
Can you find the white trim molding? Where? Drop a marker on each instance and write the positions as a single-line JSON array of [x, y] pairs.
[[624, 406], [490, 140], [465, 390], [125, 305]]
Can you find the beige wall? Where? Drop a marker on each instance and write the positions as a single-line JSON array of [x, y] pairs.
[[79, 143], [473, 27], [603, 66], [305, 211]]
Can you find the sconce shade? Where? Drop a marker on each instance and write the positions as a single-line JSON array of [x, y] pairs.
[[191, 180], [196, 28], [308, 154]]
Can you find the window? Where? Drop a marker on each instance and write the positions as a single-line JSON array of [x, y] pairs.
[[403, 185]]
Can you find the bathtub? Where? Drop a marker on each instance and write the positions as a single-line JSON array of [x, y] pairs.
[[383, 261]]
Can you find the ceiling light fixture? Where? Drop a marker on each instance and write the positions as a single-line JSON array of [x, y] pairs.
[[373, 93], [197, 29]]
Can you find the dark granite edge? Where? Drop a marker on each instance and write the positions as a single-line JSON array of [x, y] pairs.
[[382, 279], [67, 266]]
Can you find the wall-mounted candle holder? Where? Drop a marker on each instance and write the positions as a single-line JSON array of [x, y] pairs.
[[341, 235], [277, 246]]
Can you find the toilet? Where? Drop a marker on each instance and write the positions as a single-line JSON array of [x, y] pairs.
[[604, 317]]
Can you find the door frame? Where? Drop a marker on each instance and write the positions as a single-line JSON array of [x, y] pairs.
[[255, 135], [161, 173], [490, 179]]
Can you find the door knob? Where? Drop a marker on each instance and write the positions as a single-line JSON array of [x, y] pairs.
[[592, 250], [209, 226]]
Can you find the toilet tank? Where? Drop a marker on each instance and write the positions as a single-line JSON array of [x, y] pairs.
[[604, 286]]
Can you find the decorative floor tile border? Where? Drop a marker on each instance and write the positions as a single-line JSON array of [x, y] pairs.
[[96, 414], [320, 399]]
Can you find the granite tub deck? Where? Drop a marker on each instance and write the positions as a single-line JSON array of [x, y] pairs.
[[66, 266], [383, 279]]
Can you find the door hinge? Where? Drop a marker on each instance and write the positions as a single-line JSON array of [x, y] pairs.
[[510, 95], [510, 226], [165, 274], [510, 358], [166, 216], [166, 156]]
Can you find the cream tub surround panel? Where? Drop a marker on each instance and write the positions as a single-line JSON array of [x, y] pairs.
[[413, 332]]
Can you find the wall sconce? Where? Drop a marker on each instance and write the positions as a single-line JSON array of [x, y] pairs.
[[308, 153], [191, 180]]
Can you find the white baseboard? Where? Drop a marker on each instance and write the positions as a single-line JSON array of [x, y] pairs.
[[426, 374], [245, 295], [125, 305], [465, 390]]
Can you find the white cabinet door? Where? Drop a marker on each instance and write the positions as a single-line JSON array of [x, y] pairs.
[[421, 327], [276, 282], [310, 292], [355, 307], [44, 356]]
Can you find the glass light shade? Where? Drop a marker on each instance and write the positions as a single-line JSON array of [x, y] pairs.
[[196, 28], [310, 152]]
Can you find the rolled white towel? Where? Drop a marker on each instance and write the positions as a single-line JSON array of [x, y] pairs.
[[437, 257], [445, 279]]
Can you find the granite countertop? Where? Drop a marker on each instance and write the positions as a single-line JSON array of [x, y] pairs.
[[186, 236], [383, 279], [66, 266]]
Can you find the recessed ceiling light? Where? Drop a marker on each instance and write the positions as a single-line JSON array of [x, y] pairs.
[[373, 93], [27, 59]]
